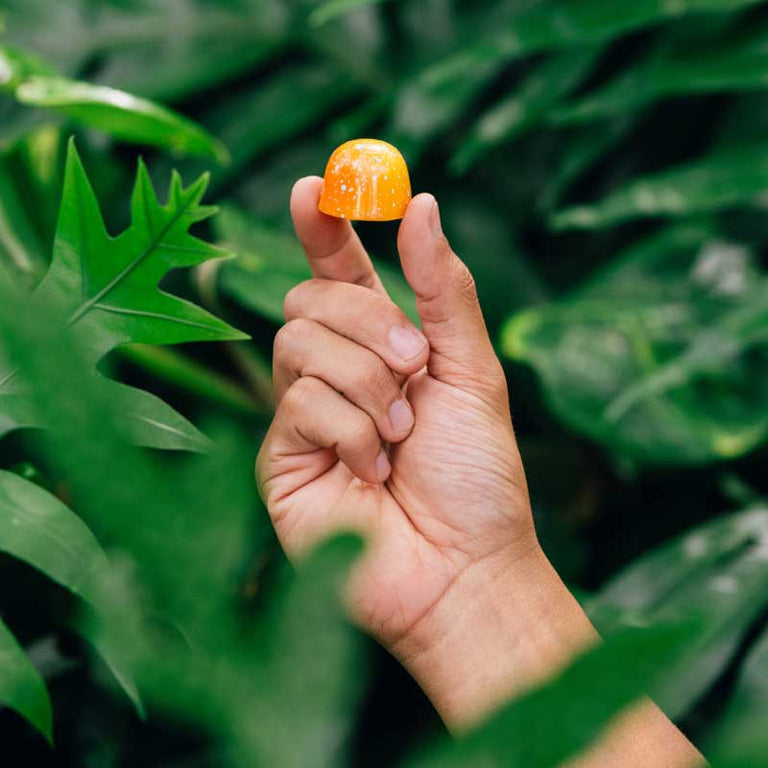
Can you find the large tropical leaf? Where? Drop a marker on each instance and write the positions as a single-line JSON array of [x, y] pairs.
[[120, 114], [663, 355], [109, 289], [40, 530], [717, 571]]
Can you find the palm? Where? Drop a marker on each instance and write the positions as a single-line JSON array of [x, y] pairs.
[[433, 518]]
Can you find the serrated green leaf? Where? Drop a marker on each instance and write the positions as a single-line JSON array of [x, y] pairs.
[[661, 357], [21, 686], [270, 263], [563, 717], [718, 571], [716, 181], [121, 115], [109, 287]]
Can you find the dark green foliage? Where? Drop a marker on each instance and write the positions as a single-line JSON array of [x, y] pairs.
[[601, 167]]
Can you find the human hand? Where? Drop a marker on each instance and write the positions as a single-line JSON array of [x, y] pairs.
[[353, 374], [407, 438]]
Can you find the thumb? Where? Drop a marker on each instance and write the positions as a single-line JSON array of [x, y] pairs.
[[461, 353]]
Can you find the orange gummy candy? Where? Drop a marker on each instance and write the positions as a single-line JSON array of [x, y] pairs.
[[367, 180]]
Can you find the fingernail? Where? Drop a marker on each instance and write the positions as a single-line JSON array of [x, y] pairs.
[[407, 342], [434, 220], [383, 467], [400, 416]]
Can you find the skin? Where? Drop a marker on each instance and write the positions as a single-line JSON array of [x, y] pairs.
[[406, 436]]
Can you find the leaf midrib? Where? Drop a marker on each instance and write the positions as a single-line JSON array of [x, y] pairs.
[[155, 241]]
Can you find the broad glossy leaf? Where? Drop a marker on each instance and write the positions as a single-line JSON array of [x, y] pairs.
[[526, 104], [716, 181], [718, 571], [270, 263], [21, 686], [121, 115], [662, 357], [38, 528], [108, 287], [563, 717]]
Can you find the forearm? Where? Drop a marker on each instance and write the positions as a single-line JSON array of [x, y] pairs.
[[505, 627]]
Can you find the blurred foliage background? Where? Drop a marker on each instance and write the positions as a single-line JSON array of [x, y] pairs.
[[602, 167]]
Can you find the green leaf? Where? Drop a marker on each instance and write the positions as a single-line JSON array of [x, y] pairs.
[[716, 181], [16, 66], [121, 115], [108, 287], [526, 105], [330, 9], [21, 252], [267, 115], [662, 356], [21, 686], [37, 528], [270, 263], [40, 530], [739, 740], [718, 571], [444, 89], [563, 717], [731, 64]]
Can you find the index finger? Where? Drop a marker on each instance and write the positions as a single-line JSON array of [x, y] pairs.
[[333, 249]]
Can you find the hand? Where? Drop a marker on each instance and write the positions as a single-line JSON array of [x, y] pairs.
[[407, 437], [402, 435]]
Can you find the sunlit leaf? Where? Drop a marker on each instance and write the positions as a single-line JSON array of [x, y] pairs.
[[121, 115]]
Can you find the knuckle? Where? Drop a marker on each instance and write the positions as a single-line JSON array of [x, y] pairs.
[[300, 394], [360, 430], [290, 335], [297, 297]]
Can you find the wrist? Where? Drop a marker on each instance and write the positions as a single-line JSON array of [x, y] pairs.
[[506, 624]]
